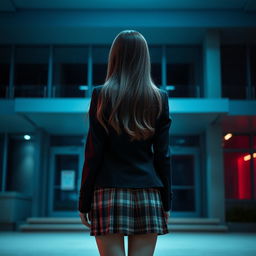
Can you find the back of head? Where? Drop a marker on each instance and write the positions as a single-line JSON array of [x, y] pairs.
[[128, 89]]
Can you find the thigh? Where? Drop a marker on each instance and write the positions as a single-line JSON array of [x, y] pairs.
[[110, 244], [142, 244]]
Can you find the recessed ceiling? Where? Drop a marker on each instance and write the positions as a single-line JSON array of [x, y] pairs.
[[244, 5]]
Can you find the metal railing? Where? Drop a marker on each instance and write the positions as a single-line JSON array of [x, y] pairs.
[[82, 91], [183, 91]]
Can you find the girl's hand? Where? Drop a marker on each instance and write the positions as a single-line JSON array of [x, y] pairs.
[[86, 218], [167, 215]]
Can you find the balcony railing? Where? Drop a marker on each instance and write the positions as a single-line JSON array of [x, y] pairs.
[[82, 91], [183, 91]]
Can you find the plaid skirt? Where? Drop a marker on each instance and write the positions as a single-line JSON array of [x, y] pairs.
[[127, 211]]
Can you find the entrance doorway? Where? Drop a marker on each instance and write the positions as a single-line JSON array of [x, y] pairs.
[[186, 182], [64, 180], [65, 176]]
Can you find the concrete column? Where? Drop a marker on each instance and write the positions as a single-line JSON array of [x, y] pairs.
[[215, 173], [212, 64], [40, 189]]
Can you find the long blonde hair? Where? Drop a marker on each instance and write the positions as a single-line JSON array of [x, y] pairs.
[[135, 100]]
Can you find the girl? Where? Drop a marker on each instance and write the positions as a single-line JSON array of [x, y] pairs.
[[126, 179]]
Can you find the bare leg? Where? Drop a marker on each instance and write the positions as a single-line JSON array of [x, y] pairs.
[[111, 245], [142, 244]]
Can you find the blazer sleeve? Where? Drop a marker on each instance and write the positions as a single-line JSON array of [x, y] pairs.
[[93, 156], [162, 153]]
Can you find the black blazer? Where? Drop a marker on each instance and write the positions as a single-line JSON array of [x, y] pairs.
[[114, 161]]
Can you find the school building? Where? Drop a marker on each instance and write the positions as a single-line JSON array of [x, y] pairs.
[[52, 54]]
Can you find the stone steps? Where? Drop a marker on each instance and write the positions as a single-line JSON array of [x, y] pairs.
[[74, 224]]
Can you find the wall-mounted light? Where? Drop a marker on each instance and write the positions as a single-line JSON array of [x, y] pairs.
[[247, 157], [228, 136], [170, 87], [26, 137], [83, 87]]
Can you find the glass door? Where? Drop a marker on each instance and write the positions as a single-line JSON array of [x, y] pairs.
[[64, 180], [186, 182]]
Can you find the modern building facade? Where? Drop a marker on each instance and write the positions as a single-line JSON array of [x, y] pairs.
[[51, 56]]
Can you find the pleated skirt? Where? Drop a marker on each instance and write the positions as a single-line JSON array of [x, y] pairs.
[[127, 211]]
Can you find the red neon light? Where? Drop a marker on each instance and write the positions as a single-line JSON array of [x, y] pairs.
[[244, 178]]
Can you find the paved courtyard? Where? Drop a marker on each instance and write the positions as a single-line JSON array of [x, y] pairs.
[[173, 244]]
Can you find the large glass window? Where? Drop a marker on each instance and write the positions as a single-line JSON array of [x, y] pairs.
[[70, 71], [254, 164], [253, 69], [64, 196], [254, 171], [237, 175], [5, 56], [1, 158], [237, 141], [254, 142], [185, 141], [31, 71], [233, 70], [185, 173], [239, 161], [183, 71], [67, 140], [156, 59], [100, 60]]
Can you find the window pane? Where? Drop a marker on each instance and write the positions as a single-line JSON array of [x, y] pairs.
[[65, 200], [31, 71], [5, 56], [183, 173], [184, 200], [64, 140], [253, 68], [185, 140], [237, 175], [155, 57], [233, 70], [254, 168], [237, 141], [183, 66], [70, 71], [100, 60], [1, 157], [183, 181], [254, 141]]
